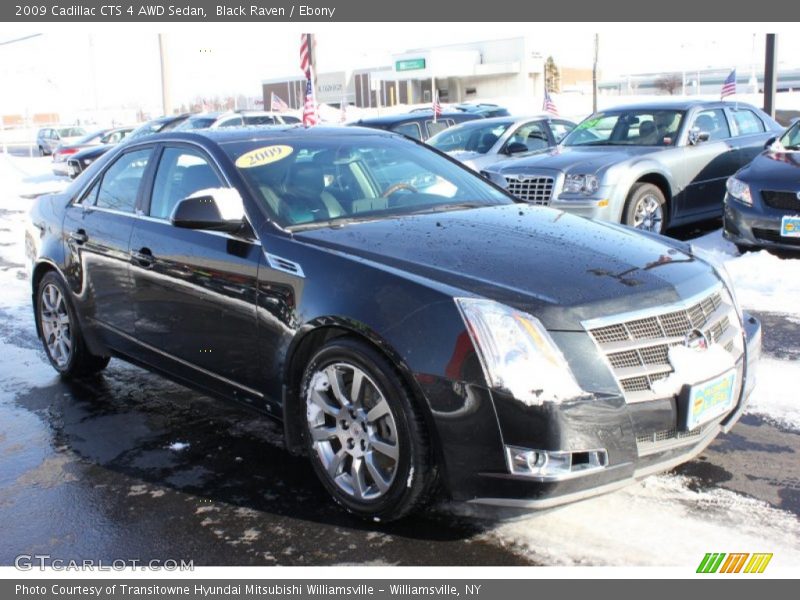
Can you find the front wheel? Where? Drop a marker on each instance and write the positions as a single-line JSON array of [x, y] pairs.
[[366, 439], [61, 335], [645, 208]]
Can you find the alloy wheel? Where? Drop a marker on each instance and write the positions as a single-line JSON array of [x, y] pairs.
[[649, 214], [352, 430], [56, 325]]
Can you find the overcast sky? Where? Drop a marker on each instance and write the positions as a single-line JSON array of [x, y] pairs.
[[225, 58]]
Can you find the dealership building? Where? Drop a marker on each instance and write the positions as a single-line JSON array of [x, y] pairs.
[[460, 73]]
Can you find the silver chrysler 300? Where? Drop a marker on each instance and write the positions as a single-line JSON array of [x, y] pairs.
[[647, 165]]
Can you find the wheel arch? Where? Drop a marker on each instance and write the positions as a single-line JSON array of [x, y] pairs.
[[314, 336]]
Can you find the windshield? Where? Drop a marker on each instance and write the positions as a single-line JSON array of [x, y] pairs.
[[471, 138], [791, 139], [90, 137], [311, 182], [641, 127], [70, 132]]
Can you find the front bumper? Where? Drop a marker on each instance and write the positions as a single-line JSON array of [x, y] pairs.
[[608, 422], [756, 226]]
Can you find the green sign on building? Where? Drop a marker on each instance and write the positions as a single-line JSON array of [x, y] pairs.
[[411, 64]]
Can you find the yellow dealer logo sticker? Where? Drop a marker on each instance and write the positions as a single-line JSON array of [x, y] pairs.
[[263, 156]]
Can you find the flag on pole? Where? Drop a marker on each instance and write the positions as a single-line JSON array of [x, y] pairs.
[[343, 116], [437, 107], [310, 116], [305, 54], [548, 105], [729, 85], [277, 104]]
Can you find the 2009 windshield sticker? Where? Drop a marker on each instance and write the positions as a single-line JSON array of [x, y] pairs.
[[263, 156]]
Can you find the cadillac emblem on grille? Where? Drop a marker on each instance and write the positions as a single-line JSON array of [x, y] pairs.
[[696, 340]]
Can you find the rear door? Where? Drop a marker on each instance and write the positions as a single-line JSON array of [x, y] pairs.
[[194, 291], [97, 227]]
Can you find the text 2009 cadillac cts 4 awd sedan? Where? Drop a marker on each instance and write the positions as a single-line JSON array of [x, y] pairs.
[[413, 327]]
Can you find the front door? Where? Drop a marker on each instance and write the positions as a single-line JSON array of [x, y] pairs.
[[707, 165], [194, 292]]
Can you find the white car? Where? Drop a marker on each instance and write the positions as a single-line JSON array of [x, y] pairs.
[[241, 118], [483, 142]]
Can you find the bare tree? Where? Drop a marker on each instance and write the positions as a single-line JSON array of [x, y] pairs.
[[669, 84], [552, 76]]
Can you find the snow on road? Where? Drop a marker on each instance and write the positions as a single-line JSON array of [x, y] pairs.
[[663, 520], [762, 281]]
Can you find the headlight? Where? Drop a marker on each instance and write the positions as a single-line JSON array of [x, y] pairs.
[[517, 353], [721, 270], [739, 190], [581, 184]]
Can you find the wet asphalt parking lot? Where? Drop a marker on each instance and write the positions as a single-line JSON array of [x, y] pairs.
[[128, 465]]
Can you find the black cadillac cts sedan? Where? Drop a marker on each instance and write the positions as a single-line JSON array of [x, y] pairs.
[[415, 329]]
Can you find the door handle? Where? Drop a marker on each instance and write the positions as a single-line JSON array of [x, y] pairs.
[[143, 258], [79, 237]]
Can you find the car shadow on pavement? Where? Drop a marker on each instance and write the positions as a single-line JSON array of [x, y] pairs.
[[144, 437]]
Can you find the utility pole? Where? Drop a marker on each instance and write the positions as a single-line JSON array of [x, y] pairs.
[[594, 71], [166, 96], [770, 74]]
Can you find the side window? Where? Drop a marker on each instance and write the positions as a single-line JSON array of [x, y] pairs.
[[747, 123], [409, 129], [560, 129], [90, 197], [120, 184], [434, 128], [181, 173], [714, 122], [532, 135], [233, 122]]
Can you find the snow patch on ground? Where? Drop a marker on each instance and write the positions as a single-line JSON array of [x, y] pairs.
[[775, 397], [178, 446], [660, 521], [762, 281]]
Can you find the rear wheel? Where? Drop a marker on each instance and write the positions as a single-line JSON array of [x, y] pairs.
[[366, 439], [61, 335], [41, 151], [645, 208]]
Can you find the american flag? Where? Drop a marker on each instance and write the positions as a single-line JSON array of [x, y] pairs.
[[729, 85], [310, 107], [437, 107], [343, 116], [548, 105], [306, 42], [277, 104]]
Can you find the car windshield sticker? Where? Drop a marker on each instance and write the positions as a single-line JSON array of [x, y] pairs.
[[588, 124], [263, 156]]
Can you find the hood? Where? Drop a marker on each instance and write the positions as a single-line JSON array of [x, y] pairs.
[[463, 155], [774, 170], [584, 159], [559, 267]]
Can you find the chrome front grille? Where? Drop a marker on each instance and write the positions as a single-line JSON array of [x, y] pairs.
[[534, 189], [637, 345]]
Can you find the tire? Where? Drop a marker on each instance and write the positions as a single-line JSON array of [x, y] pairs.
[[41, 151], [61, 336], [645, 208], [372, 453]]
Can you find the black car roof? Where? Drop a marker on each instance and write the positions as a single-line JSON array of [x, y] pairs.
[[257, 133], [422, 115]]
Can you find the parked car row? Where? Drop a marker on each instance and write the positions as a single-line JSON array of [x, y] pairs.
[[649, 166]]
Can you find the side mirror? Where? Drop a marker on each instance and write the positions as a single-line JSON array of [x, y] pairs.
[[218, 209], [696, 136], [516, 148], [769, 142]]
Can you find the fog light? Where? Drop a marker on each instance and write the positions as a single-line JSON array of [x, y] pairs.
[[554, 464]]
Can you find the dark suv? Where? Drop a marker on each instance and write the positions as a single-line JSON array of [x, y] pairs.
[[418, 124]]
